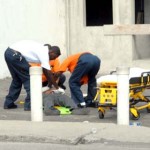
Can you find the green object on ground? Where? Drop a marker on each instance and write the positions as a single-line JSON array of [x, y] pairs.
[[63, 110]]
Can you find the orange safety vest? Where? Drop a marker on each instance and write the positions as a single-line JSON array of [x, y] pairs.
[[70, 63], [54, 67]]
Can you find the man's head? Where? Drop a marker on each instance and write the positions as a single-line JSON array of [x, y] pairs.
[[54, 51]]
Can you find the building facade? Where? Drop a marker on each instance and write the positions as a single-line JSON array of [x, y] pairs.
[[100, 26]]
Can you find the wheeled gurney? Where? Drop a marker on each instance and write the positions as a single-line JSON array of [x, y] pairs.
[[139, 81]]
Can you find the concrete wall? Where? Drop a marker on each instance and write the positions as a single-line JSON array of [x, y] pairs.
[[62, 22], [110, 49], [142, 43], [83, 38], [125, 50], [40, 20], [147, 11]]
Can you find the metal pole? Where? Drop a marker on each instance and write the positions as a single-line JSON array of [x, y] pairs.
[[122, 95], [36, 93]]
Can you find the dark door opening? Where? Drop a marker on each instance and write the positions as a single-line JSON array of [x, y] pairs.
[[139, 11]]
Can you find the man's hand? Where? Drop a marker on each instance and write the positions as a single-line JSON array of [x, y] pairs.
[[59, 90], [50, 78], [48, 92]]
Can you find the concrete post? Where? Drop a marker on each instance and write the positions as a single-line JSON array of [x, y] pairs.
[[122, 95], [36, 93], [116, 15], [123, 11]]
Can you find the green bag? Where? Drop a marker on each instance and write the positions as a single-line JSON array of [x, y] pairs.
[[63, 110]]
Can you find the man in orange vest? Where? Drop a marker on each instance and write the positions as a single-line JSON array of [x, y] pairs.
[[84, 68], [54, 64], [54, 68]]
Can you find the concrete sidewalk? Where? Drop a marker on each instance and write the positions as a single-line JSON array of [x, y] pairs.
[[72, 132], [15, 126]]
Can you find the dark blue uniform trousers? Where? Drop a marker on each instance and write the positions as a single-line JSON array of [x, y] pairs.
[[19, 70], [89, 65]]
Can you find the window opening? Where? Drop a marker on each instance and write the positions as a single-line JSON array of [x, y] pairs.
[[139, 11], [98, 12]]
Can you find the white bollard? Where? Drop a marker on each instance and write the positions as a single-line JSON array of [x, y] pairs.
[[36, 93], [122, 95]]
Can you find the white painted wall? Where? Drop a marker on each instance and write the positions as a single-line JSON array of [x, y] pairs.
[[113, 50], [147, 11], [62, 23], [84, 38], [109, 49], [142, 43], [40, 20]]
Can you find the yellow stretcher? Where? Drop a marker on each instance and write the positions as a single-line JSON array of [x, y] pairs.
[[107, 95]]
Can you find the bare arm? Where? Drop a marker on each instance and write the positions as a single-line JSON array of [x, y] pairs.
[[57, 75], [50, 78]]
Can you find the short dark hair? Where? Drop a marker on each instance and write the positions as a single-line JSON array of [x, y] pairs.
[[55, 49], [48, 45]]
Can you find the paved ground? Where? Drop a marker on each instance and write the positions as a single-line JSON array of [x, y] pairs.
[[20, 114], [76, 130], [74, 135]]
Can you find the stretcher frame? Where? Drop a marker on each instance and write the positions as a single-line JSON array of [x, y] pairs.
[[106, 96]]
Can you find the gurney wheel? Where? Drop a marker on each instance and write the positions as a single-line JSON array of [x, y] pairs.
[[133, 117], [101, 114]]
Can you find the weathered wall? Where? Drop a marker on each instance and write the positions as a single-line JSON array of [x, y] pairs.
[[39, 20], [83, 38], [142, 43], [62, 22], [113, 51], [126, 50]]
